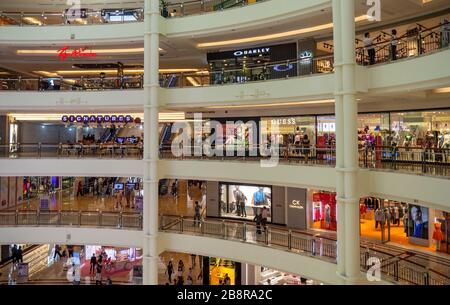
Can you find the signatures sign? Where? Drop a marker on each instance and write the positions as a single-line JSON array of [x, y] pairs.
[[64, 52]]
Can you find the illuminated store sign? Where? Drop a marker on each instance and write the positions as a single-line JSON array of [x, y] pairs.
[[98, 119], [306, 55], [63, 53], [284, 121], [251, 52], [283, 67], [296, 204]]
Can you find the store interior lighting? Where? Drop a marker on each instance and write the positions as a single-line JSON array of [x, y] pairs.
[[275, 36], [48, 117], [330, 101]]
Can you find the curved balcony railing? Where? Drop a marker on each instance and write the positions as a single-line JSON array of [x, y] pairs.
[[259, 72], [118, 220], [429, 161], [393, 267], [83, 16], [73, 17], [416, 160], [83, 83], [413, 44], [42, 150]]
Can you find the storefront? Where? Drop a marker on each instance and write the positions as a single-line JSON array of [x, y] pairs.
[[421, 128], [284, 205], [252, 64], [244, 201], [322, 210], [403, 223], [291, 130], [219, 271]]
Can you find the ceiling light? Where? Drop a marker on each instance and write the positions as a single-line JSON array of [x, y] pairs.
[[274, 104], [442, 90], [274, 36], [32, 20], [98, 51]]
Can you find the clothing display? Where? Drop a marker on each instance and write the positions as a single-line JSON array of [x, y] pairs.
[[437, 234]]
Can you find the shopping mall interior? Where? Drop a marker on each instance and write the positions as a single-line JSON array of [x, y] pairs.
[[225, 142]]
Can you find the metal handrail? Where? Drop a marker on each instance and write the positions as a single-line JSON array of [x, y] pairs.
[[403, 271], [75, 218], [91, 16]]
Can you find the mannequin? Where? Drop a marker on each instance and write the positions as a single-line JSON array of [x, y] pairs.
[[437, 235], [327, 215]]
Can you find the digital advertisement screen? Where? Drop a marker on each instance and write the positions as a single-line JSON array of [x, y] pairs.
[[245, 201], [118, 186], [418, 222], [131, 186], [120, 140]]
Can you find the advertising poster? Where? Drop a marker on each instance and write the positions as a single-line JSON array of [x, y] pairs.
[[245, 201], [418, 224], [44, 203], [22, 272]]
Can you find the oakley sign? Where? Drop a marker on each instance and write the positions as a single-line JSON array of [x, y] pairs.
[[63, 53], [251, 52]]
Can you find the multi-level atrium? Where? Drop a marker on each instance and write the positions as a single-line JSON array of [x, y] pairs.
[[256, 143]]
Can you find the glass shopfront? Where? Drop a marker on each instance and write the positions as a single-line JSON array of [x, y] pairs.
[[291, 130], [323, 212], [421, 129], [402, 223], [243, 65], [244, 201], [223, 272]]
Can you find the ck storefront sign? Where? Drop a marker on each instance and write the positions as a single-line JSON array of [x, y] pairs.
[[296, 202], [257, 51]]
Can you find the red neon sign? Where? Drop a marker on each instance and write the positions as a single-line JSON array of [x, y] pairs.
[[63, 53]]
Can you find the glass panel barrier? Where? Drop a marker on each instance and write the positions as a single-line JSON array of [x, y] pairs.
[[393, 268]]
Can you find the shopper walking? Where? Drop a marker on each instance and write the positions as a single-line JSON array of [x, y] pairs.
[[170, 270], [19, 255], [227, 280], [368, 45], [180, 272], [93, 264], [264, 215], [305, 147], [394, 43], [197, 215], [57, 252], [258, 218], [80, 189], [98, 274], [14, 254], [193, 256]]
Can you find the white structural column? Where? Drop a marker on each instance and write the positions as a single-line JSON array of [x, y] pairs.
[[339, 112], [350, 107], [151, 87]]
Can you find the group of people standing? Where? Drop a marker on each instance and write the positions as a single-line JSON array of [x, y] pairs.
[[179, 279], [16, 254], [370, 46], [96, 267]]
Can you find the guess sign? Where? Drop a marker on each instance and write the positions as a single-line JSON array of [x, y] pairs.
[[64, 52]]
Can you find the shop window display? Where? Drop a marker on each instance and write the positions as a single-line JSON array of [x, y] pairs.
[[418, 222], [244, 201], [222, 271], [324, 211], [291, 131], [270, 276], [421, 129]]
